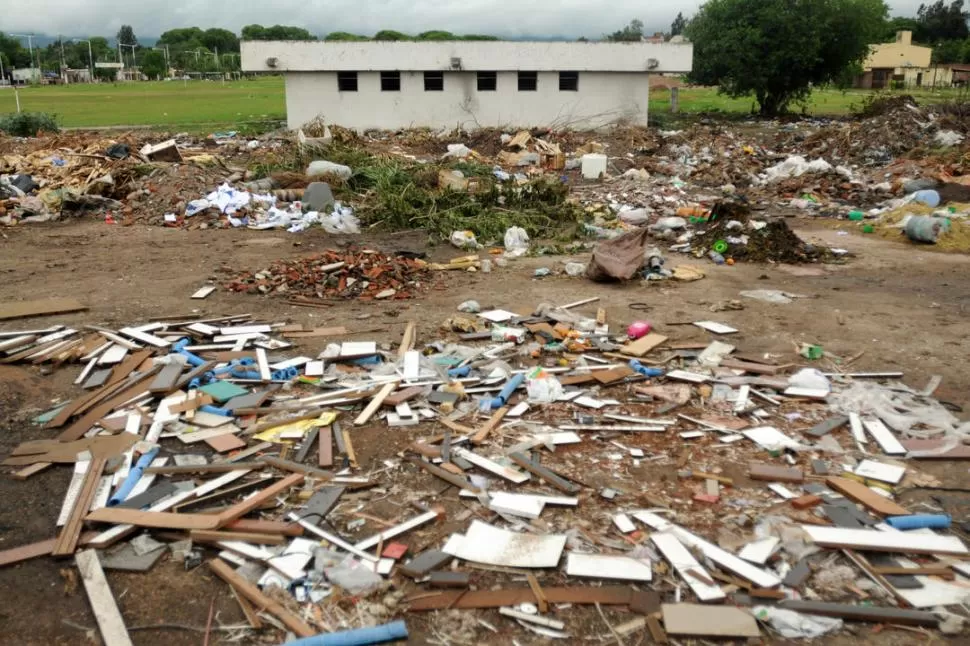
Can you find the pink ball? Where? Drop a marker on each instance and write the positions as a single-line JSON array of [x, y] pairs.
[[638, 329]]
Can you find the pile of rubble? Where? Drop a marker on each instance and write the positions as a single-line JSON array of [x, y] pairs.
[[354, 272], [694, 490]]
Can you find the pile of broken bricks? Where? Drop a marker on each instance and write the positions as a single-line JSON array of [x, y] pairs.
[[776, 512], [351, 273]]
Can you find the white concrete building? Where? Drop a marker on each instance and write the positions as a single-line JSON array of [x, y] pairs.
[[392, 85]]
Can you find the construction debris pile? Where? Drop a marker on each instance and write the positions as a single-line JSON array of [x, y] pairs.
[[563, 475], [365, 274]]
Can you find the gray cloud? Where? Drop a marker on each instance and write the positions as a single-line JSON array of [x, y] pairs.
[[570, 18]]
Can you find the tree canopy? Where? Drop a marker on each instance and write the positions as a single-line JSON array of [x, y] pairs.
[[940, 21], [678, 25], [633, 32], [153, 64], [276, 32], [778, 49], [126, 36]]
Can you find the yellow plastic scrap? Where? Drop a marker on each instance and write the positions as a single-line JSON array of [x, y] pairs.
[[303, 425]]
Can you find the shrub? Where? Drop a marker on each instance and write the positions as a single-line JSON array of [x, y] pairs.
[[28, 124]]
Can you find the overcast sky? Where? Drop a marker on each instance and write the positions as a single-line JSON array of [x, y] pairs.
[[572, 18]]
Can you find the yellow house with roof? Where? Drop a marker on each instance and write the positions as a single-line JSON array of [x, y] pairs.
[[901, 63]]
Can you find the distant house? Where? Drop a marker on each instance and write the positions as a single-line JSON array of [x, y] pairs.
[[390, 85], [900, 64]]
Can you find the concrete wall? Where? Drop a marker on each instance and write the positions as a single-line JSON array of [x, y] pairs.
[[603, 97], [295, 56]]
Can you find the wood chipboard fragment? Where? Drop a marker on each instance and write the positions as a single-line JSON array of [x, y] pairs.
[[43, 307], [865, 496]]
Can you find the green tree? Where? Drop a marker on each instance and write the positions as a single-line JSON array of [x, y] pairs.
[[186, 37], [343, 36], [153, 64], [14, 53], [778, 49], [940, 21], [437, 34], [678, 25], [632, 33], [390, 34], [894, 25], [222, 40], [479, 37], [126, 36], [276, 32]]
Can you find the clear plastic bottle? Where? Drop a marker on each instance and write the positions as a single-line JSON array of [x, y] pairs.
[[717, 258]]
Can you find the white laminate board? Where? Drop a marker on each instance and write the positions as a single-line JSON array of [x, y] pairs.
[[877, 541], [883, 436], [604, 566], [681, 560]]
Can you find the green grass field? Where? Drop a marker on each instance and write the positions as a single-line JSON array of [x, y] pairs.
[[176, 104], [207, 105]]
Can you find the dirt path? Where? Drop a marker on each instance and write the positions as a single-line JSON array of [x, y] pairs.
[[908, 309]]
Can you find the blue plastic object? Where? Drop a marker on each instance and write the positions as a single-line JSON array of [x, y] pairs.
[[644, 370], [503, 397], [919, 521], [134, 475], [254, 376], [359, 637], [464, 371], [215, 410], [179, 347]]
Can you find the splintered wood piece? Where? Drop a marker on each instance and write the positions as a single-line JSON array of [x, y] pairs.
[[68, 539], [260, 600], [489, 426]]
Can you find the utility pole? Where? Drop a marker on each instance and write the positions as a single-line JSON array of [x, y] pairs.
[[90, 58], [30, 50], [164, 50], [60, 40]]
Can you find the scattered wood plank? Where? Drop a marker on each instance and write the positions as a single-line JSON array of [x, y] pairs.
[[863, 495], [643, 345], [465, 600], [106, 612], [260, 600], [43, 307], [873, 614], [68, 539], [489, 426], [214, 536]]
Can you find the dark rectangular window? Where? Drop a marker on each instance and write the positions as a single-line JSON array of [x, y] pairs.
[[569, 81], [347, 81], [390, 81], [434, 81], [528, 81], [487, 82]]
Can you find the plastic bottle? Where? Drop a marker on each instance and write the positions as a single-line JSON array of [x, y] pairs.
[[717, 258], [928, 197], [856, 216], [919, 521], [644, 370]]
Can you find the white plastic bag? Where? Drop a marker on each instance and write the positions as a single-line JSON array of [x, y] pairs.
[[342, 220], [458, 151], [464, 240], [543, 387], [516, 241]]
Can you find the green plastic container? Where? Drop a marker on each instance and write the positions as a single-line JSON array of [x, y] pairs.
[[856, 216]]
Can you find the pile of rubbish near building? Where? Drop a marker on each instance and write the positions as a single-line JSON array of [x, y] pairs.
[[872, 172], [550, 473]]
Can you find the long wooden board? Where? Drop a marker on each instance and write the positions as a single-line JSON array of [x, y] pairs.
[[609, 595], [109, 618], [68, 539], [42, 307], [862, 494]]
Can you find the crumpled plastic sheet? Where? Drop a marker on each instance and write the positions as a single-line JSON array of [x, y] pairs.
[[795, 625], [796, 166], [903, 410]]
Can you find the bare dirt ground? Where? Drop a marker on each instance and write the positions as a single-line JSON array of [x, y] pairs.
[[906, 306]]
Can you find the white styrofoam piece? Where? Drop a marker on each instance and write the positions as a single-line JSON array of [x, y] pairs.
[[263, 363], [782, 491], [684, 375], [883, 436], [624, 524], [691, 435], [715, 327], [295, 362], [512, 475], [589, 402], [203, 328], [396, 419], [524, 506], [878, 471], [769, 437], [114, 354], [518, 410], [357, 348], [412, 365], [758, 551], [730, 439], [313, 369], [564, 437], [810, 393], [603, 566], [498, 316], [202, 292], [681, 560], [885, 541], [391, 532], [742, 401], [294, 559], [245, 329], [489, 545], [855, 423]]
